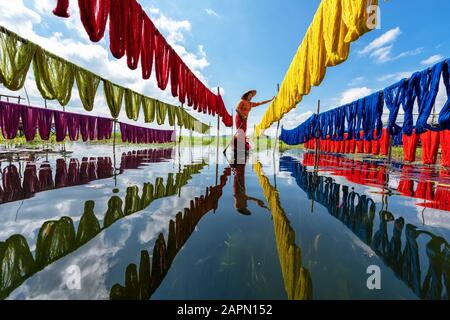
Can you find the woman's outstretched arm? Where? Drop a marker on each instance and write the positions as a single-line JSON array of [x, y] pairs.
[[257, 104]]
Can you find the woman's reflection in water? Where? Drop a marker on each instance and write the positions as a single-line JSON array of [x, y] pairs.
[[240, 194]]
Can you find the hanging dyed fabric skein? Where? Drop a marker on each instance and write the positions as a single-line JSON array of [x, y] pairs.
[[147, 47], [118, 27], [45, 118], [87, 84], [60, 125], [162, 61], [62, 9], [15, 60], [133, 103], [54, 77], [114, 98], [149, 109], [409, 147], [9, 120], [444, 115], [428, 87], [445, 147], [29, 122], [430, 146], [134, 33], [94, 16]]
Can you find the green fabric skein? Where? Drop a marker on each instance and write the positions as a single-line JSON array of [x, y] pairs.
[[133, 103], [161, 112], [87, 84], [54, 77], [149, 109], [172, 114], [180, 119], [114, 97], [15, 60]]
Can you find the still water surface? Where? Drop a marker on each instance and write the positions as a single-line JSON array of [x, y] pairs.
[[170, 224]]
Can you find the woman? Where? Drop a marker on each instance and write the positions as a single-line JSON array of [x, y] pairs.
[[242, 112], [244, 107]]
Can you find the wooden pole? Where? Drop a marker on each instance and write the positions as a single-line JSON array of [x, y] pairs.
[[390, 149], [316, 164], [278, 125], [114, 153], [232, 125], [179, 138], [217, 144]]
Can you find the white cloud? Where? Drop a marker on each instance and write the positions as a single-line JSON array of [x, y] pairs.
[[432, 60], [211, 12], [354, 94], [16, 16], [356, 81], [395, 76], [174, 28], [385, 39], [381, 48], [293, 120], [409, 53], [382, 54]]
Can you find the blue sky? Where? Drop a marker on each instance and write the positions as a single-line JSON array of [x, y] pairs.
[[249, 44]]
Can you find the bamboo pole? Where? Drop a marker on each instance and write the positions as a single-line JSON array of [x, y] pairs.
[[114, 152], [278, 126], [217, 143], [317, 153]]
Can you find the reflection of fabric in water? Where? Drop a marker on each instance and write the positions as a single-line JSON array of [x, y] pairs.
[[72, 175], [140, 284], [297, 279], [375, 174], [89, 226], [12, 189], [57, 238], [30, 181], [406, 263], [16, 263]]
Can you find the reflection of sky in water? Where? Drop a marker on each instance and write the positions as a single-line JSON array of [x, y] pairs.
[[229, 255]]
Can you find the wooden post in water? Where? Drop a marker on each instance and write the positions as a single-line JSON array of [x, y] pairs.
[[316, 158], [390, 149], [217, 142], [232, 125], [114, 153], [278, 125]]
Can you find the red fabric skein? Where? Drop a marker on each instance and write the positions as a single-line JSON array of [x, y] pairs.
[[147, 47], [430, 146], [445, 147], [409, 147], [175, 62], [162, 61], [384, 143], [62, 9], [118, 25], [134, 34], [94, 15]]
